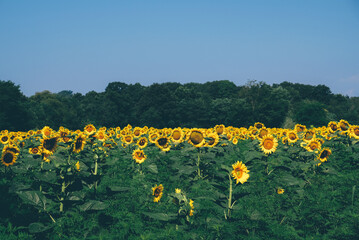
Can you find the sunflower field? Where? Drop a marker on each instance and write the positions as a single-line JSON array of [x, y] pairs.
[[181, 183]]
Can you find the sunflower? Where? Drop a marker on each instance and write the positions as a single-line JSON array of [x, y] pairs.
[[196, 137], [12, 148], [137, 132], [139, 156], [212, 140], [219, 129], [177, 135], [49, 145], [312, 145], [332, 126], [308, 135], [280, 190], [343, 126], [4, 139], [262, 132], [89, 129], [324, 155], [258, 125], [354, 131], [35, 150], [46, 132], [300, 128], [163, 143], [157, 192], [268, 144], [77, 165], [142, 142], [8, 158], [292, 136], [101, 136], [240, 172], [79, 143], [192, 207]]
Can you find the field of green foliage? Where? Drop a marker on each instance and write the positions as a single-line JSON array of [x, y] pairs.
[[182, 183]]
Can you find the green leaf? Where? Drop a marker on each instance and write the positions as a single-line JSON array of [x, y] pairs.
[[38, 227], [49, 177], [118, 189], [35, 198], [161, 216], [76, 196], [153, 168], [186, 169], [93, 205]]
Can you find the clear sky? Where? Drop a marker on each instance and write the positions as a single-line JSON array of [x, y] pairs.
[[83, 45]]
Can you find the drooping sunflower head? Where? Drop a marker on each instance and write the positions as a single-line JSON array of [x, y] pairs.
[[219, 129], [268, 144], [240, 172], [196, 137], [262, 132], [163, 143], [332, 126], [324, 154], [258, 125], [344, 125], [300, 128], [49, 145], [142, 142], [89, 129], [212, 140], [139, 156], [79, 143], [8, 158], [157, 192]]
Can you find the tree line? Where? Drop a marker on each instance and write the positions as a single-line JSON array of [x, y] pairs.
[[177, 105]]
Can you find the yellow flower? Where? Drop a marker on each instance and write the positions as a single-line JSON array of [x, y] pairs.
[[240, 172], [268, 144], [178, 190], [78, 166], [8, 158], [139, 156], [196, 137], [280, 190], [157, 192]]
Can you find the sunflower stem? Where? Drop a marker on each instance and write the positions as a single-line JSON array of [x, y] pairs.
[[230, 196], [95, 173], [198, 163], [41, 167], [63, 187]]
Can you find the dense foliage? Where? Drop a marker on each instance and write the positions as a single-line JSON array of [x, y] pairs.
[[180, 183], [175, 104]]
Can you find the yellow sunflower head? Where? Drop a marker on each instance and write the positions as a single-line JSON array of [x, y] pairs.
[[46, 132], [157, 192], [258, 125], [163, 143], [8, 158], [139, 156], [177, 135], [89, 129], [268, 144], [35, 150], [313, 145], [354, 131], [240, 172], [344, 125], [196, 137], [142, 142], [79, 143], [220, 129], [332, 126], [300, 128], [49, 145], [4, 139], [280, 190], [292, 136], [324, 154]]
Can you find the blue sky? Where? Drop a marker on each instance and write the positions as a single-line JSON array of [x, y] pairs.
[[83, 45]]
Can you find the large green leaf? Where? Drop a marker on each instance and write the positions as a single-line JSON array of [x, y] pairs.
[[38, 227], [153, 168], [35, 198], [93, 205], [161, 216], [118, 189]]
